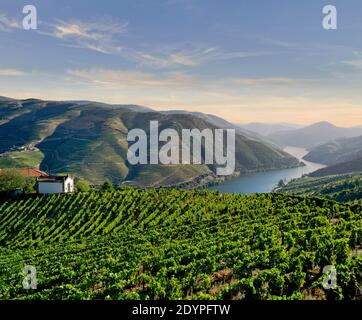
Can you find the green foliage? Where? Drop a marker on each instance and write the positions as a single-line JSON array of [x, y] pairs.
[[82, 186], [21, 159], [171, 244], [10, 180], [30, 185], [107, 186], [342, 188]]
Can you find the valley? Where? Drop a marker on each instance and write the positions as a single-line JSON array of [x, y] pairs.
[[268, 181], [147, 239], [176, 158], [89, 141]]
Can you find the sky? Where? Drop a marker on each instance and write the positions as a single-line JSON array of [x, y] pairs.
[[243, 60]]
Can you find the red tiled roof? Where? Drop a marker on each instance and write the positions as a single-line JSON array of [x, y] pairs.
[[32, 172]]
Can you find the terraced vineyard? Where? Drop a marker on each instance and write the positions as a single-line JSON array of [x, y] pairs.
[[341, 188], [169, 244]]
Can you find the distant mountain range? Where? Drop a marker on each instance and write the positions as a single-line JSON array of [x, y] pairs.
[[266, 129], [341, 180], [313, 135], [338, 151], [89, 140], [341, 156]]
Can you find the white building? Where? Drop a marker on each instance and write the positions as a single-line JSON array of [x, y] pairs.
[[55, 184]]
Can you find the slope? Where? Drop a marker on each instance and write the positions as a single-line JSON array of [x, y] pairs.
[[342, 150], [169, 244], [313, 135], [266, 129], [339, 168], [342, 187], [89, 140]]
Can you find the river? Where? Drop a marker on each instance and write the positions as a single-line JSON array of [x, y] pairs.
[[267, 181]]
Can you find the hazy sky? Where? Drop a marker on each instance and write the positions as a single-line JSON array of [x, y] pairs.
[[244, 60]]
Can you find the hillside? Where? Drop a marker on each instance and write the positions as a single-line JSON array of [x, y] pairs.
[[88, 140], [267, 129], [340, 168], [341, 150], [222, 123], [313, 135], [169, 244], [342, 187]]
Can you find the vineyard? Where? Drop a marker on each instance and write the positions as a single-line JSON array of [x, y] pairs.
[[171, 244], [341, 188]]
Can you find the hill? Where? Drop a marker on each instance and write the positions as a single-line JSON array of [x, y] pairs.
[[341, 150], [169, 244], [89, 140], [266, 129], [340, 168], [222, 123], [313, 135], [342, 187]]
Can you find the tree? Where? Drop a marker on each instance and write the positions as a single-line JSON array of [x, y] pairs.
[[107, 186], [11, 179], [29, 185], [281, 183], [82, 186]]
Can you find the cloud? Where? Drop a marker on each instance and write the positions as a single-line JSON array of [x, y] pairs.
[[275, 42], [183, 59], [179, 81], [184, 55], [170, 56], [268, 81], [8, 24], [104, 34], [99, 30], [11, 72], [97, 36], [122, 79], [355, 64]]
